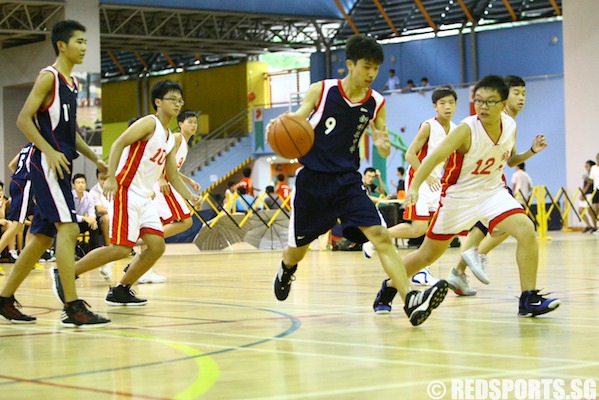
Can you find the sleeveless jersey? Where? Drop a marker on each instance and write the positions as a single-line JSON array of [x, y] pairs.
[[436, 135], [480, 170], [22, 171], [338, 125], [142, 162], [57, 122], [180, 155], [182, 152]]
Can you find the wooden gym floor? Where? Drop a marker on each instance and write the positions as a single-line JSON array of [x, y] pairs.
[[215, 330]]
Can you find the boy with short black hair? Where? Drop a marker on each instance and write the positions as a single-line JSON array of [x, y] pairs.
[[137, 158], [329, 186], [52, 104], [473, 190]]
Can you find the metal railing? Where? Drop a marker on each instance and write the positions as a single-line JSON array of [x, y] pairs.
[[217, 141]]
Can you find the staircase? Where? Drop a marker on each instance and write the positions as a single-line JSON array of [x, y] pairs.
[[224, 150]]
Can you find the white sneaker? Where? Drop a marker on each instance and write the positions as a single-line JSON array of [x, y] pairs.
[[459, 283], [13, 255], [368, 250], [106, 272], [151, 277], [424, 277], [477, 263]]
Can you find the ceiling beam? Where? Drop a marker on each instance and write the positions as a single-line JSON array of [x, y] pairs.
[[347, 18], [116, 62], [427, 17], [509, 8], [386, 17], [466, 11], [556, 7]]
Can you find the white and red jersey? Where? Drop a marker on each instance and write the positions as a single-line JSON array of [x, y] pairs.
[[481, 169], [182, 152], [142, 162], [436, 135]]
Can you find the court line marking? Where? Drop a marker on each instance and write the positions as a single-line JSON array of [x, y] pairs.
[[196, 386]]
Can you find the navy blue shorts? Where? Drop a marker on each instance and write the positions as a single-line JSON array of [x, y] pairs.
[[321, 198], [21, 201], [53, 197]]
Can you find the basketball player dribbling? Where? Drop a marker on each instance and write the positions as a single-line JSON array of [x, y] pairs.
[[329, 186], [137, 159], [473, 190], [52, 104]]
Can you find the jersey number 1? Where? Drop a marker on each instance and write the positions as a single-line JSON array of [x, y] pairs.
[[159, 157]]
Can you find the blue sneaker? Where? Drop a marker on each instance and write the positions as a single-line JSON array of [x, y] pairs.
[[532, 304], [384, 298]]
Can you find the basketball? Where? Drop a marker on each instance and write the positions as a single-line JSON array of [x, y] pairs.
[[290, 136]]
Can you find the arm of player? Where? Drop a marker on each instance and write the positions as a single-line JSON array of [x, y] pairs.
[[172, 173], [41, 95], [539, 143], [380, 134], [457, 140], [12, 165], [310, 100], [193, 184], [140, 129]]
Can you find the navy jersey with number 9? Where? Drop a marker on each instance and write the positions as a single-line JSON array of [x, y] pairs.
[[338, 125]]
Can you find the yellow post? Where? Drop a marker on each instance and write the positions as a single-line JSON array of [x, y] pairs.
[[542, 214]]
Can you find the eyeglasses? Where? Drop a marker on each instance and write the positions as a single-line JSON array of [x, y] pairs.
[[176, 101], [488, 103]]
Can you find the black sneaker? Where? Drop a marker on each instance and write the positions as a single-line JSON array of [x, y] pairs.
[[10, 312], [122, 295], [532, 304], [76, 315], [48, 256], [282, 281], [419, 305], [384, 298], [57, 284]]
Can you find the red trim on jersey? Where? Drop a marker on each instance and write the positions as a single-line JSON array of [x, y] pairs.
[[410, 214], [177, 213], [376, 111], [150, 231], [120, 220], [452, 171], [420, 154], [53, 93], [321, 96], [440, 236], [503, 216], [366, 97], [136, 152]]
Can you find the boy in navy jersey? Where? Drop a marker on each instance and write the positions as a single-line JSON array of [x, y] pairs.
[[48, 120], [329, 185], [21, 198]]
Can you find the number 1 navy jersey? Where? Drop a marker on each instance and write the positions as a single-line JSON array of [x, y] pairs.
[[57, 122], [22, 171], [338, 125]]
